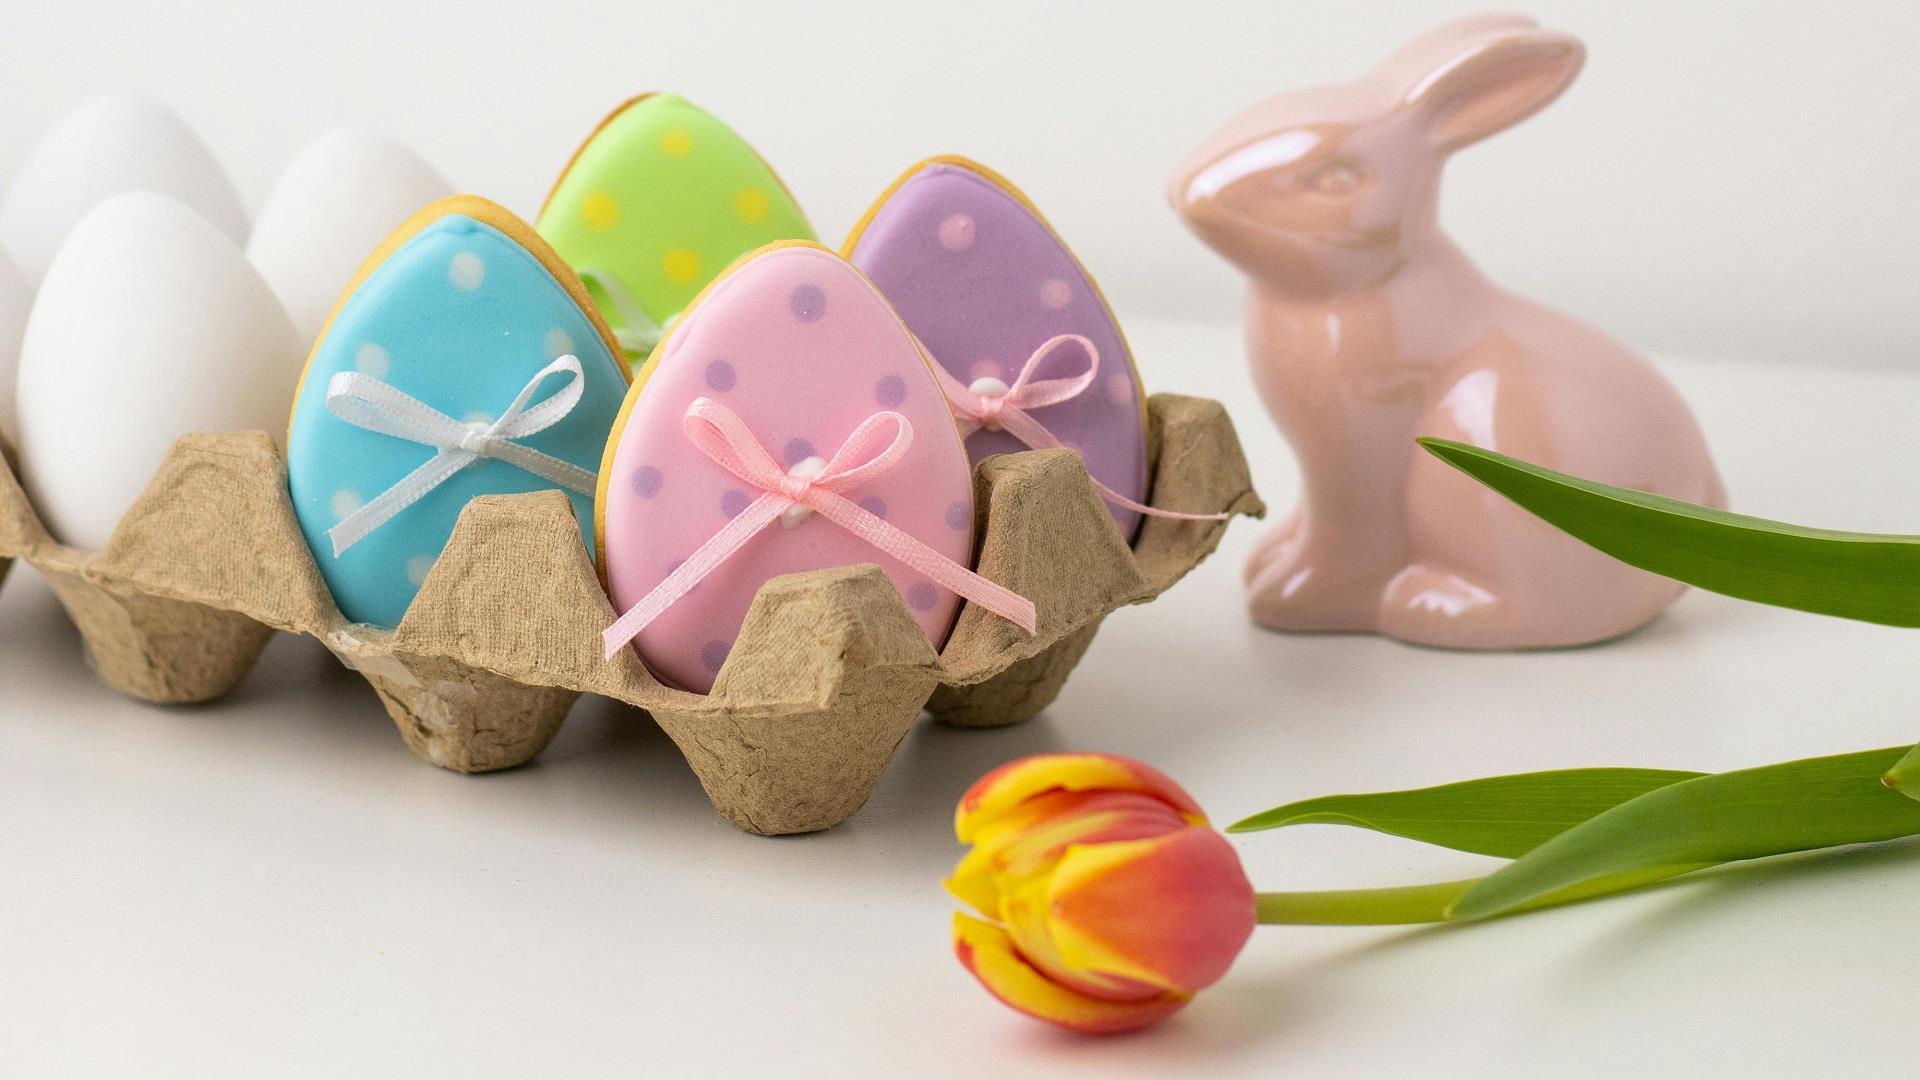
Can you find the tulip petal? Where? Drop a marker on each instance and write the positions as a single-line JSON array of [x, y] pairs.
[[1170, 911], [988, 952], [1028, 839], [1011, 784], [975, 883], [1025, 914]]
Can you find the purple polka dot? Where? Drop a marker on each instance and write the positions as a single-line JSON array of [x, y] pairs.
[[714, 653], [959, 516], [890, 391], [808, 302], [920, 597], [720, 376], [647, 481], [797, 451], [875, 505], [733, 502]]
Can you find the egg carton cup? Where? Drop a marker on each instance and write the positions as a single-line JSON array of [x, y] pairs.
[[826, 677]]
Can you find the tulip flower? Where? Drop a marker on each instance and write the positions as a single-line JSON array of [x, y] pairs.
[[1107, 899]]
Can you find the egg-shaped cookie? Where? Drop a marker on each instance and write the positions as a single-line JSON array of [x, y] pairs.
[[660, 199], [984, 282], [459, 312], [803, 350]]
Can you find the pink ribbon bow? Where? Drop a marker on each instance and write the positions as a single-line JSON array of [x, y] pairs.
[[995, 406], [791, 496]]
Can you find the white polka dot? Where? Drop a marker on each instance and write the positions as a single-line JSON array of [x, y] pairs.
[[1056, 293], [1119, 388], [372, 360], [346, 502], [417, 568], [467, 271], [558, 343]]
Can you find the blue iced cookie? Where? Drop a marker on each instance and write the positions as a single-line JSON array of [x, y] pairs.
[[463, 359]]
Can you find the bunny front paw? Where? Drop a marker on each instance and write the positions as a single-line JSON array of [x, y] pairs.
[[1272, 545], [1293, 586]]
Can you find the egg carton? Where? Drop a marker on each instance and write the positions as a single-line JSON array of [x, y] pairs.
[[827, 675]]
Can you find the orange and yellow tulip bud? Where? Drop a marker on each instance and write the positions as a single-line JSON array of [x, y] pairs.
[[1108, 900]]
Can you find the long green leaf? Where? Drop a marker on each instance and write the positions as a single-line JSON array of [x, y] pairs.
[[1864, 576], [1724, 817], [1904, 777], [1506, 816]]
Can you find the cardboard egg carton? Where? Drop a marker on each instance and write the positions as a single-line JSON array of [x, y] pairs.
[[827, 675]]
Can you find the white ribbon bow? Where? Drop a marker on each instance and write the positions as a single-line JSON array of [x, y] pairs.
[[366, 402], [638, 333]]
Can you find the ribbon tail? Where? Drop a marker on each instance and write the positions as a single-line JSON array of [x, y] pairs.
[[1118, 499], [547, 467], [638, 333], [719, 547], [1035, 434], [412, 487], [955, 578]]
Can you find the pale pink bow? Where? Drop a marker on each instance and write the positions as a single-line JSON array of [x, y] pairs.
[[793, 495], [995, 406]]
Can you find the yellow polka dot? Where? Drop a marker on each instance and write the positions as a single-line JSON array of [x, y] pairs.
[[750, 205], [601, 211], [676, 143], [681, 265]]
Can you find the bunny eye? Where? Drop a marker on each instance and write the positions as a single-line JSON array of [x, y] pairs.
[[1336, 179]]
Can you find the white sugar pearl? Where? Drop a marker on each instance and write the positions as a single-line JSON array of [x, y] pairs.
[[809, 469]]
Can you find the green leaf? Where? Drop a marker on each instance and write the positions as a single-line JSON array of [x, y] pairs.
[[1724, 817], [1864, 576], [1904, 777], [1506, 816]]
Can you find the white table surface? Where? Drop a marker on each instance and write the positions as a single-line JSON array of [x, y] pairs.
[[273, 886]]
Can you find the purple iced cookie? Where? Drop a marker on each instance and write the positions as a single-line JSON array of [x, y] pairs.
[[983, 281]]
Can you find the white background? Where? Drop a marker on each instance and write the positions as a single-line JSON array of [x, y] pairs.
[[272, 887], [1729, 178]]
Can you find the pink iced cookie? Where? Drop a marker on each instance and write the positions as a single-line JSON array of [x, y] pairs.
[[799, 347]]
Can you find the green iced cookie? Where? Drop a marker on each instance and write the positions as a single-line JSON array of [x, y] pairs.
[[656, 203]]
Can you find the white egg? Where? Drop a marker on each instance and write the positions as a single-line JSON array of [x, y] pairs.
[[15, 298], [343, 194], [150, 324], [110, 144]]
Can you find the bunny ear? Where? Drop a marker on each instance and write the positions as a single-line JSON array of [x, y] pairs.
[[1490, 83], [1443, 42]]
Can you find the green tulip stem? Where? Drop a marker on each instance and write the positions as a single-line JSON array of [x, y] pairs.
[[1409, 905], [1361, 907]]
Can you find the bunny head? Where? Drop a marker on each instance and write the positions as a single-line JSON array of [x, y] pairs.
[[1322, 191]]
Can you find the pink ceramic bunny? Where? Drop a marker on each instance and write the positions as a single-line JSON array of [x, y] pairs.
[[1366, 327]]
